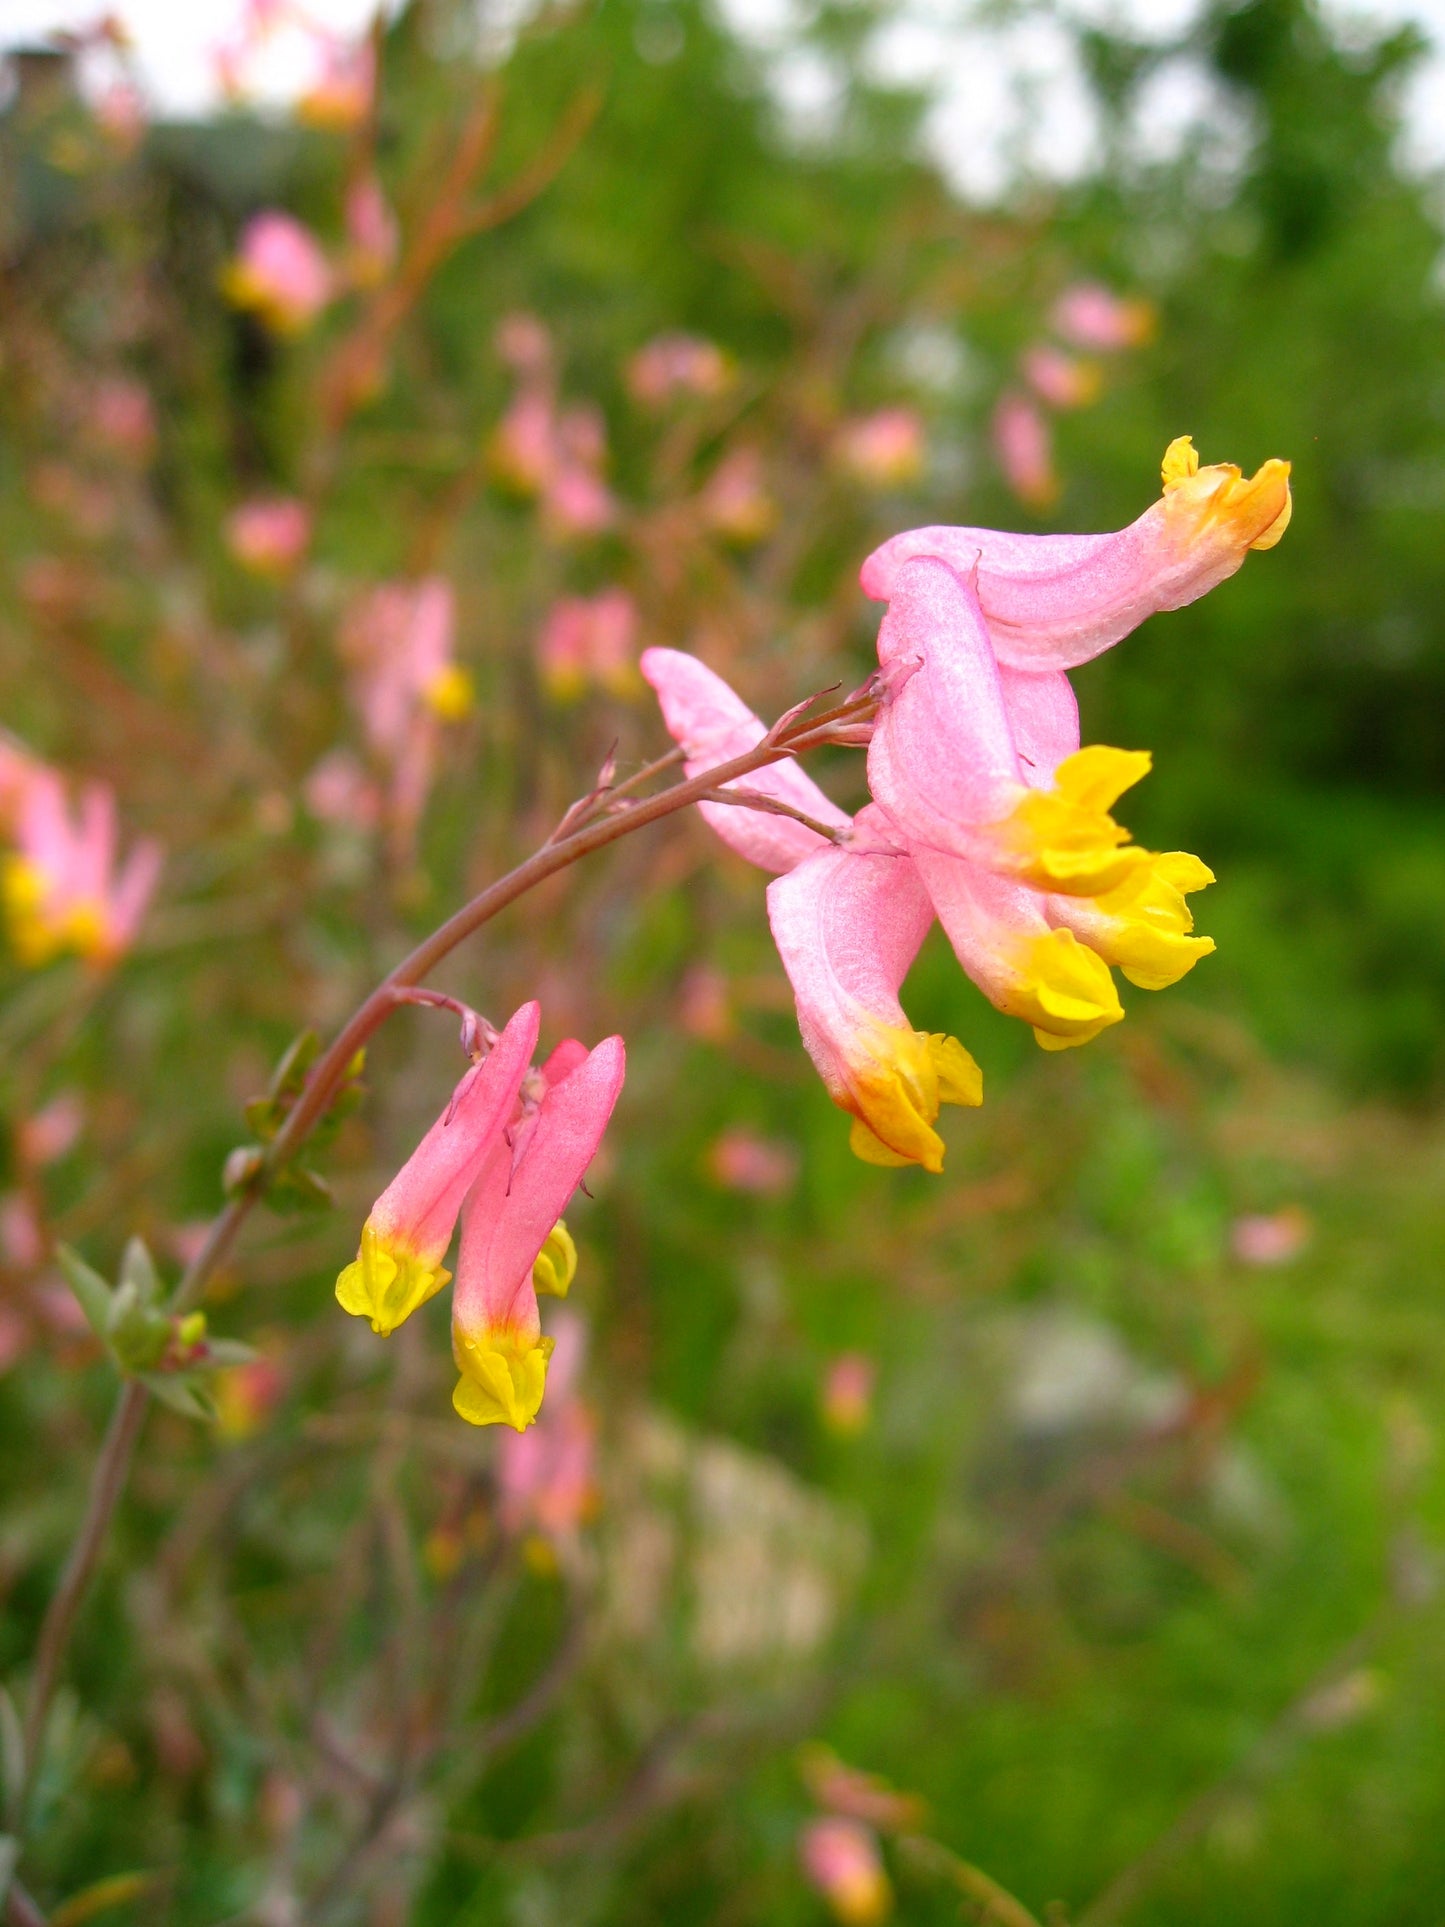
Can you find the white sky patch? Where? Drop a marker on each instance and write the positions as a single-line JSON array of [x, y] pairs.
[[1007, 97]]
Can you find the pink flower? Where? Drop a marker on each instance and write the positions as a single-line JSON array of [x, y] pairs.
[[122, 417], [742, 1161], [1024, 447], [120, 112], [339, 99], [705, 1005], [1053, 601], [848, 1393], [841, 1860], [1271, 1238], [1063, 381], [46, 1136], [735, 499], [524, 446], [18, 771], [576, 502], [523, 343], [513, 1241], [371, 232], [279, 273], [884, 449], [22, 1241], [59, 886], [546, 1473], [860, 1796], [590, 639], [848, 925], [269, 534], [714, 725], [338, 791], [1090, 316], [405, 1237], [678, 364]]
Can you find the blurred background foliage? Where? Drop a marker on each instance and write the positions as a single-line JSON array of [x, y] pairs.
[[1129, 1564]]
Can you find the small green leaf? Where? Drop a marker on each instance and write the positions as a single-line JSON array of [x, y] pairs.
[[137, 1268], [264, 1116], [299, 1189], [300, 1054], [92, 1293], [113, 1891], [182, 1392]]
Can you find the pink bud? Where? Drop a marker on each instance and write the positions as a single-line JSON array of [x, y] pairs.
[[590, 639], [735, 500], [848, 1393], [1063, 381], [269, 535], [1271, 1238], [1024, 448], [841, 1860], [678, 364], [280, 273], [882, 450], [1091, 316]]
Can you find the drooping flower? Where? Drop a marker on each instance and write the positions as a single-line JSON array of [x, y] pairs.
[[1054, 601], [589, 639], [59, 884], [372, 235], [848, 924], [513, 1242], [1093, 316], [735, 500], [269, 534], [406, 1234], [713, 724], [882, 450], [1024, 447], [841, 1860], [847, 1400], [279, 273]]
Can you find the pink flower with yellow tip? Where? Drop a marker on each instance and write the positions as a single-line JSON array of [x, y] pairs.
[[269, 534], [279, 273], [589, 639], [841, 1861], [546, 1475], [882, 450], [1062, 380], [406, 1234], [1093, 316], [514, 1243], [1054, 601], [60, 886], [1024, 447]]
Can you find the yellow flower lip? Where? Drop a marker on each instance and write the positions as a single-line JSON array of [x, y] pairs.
[[385, 1283], [503, 1377], [898, 1088], [1255, 510]]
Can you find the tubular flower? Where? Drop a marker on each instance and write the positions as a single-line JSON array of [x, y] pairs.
[[713, 724], [405, 1238], [510, 1243], [1053, 601], [848, 925], [59, 888], [944, 762]]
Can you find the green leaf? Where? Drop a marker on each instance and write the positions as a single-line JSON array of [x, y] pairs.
[[113, 1891], [182, 1392], [92, 1293], [264, 1117], [137, 1268], [224, 1352], [299, 1189], [298, 1057]]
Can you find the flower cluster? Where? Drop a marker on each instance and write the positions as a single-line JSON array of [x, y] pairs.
[[986, 813], [61, 888], [544, 450], [1088, 316], [505, 1156]]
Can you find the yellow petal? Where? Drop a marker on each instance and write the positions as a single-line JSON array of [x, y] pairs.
[[503, 1377], [556, 1263], [385, 1283]]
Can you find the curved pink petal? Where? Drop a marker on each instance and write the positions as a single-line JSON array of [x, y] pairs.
[[713, 724]]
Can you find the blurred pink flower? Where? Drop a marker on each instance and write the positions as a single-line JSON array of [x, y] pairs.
[[371, 231], [1024, 448], [339, 792], [46, 1136], [22, 1242], [524, 445], [339, 98], [1091, 316], [577, 502], [590, 639], [848, 1393], [1062, 380], [120, 112], [59, 885], [735, 499], [841, 1860], [678, 364], [269, 534], [740, 1160], [246, 1395], [1271, 1238], [279, 273], [705, 1004], [122, 417], [546, 1474], [884, 449], [523, 343], [859, 1796]]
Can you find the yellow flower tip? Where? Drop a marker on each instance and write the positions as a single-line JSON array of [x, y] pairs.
[[451, 694], [1064, 838], [1064, 990], [503, 1376], [556, 1263], [386, 1283], [900, 1079], [1144, 924], [1254, 510]]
